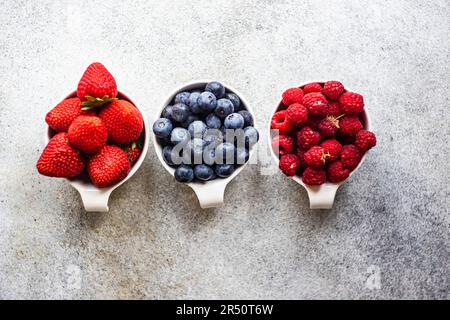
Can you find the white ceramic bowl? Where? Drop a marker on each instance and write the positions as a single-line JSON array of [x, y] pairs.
[[321, 197], [210, 194], [96, 199]]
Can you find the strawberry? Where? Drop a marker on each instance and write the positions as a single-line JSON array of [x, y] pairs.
[[88, 133], [59, 159], [97, 86], [61, 116], [133, 152], [108, 167], [123, 121]]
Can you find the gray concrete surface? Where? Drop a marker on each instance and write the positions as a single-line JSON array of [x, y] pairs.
[[390, 221]]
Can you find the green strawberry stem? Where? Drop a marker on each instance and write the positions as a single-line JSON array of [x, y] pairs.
[[92, 102]]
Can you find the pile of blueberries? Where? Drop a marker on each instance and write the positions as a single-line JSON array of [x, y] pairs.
[[205, 134]]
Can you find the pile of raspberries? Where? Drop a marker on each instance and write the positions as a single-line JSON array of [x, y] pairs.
[[318, 132]]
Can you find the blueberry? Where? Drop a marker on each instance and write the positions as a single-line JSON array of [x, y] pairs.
[[209, 155], [162, 127], [207, 102], [224, 108], [216, 88], [203, 172], [180, 112], [248, 118], [234, 121], [197, 129], [225, 153], [167, 155], [182, 97], [184, 173], [195, 148], [213, 121], [241, 155], [224, 170], [180, 135], [234, 100], [213, 136], [167, 112], [193, 98], [191, 118], [251, 136]]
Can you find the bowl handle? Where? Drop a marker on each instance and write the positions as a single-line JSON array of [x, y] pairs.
[[210, 195], [95, 200], [322, 197]]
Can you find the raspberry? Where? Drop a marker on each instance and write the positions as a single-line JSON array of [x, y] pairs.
[[351, 103], [365, 140], [333, 89], [297, 114], [332, 147], [288, 164], [350, 125], [350, 157], [307, 138], [328, 127], [336, 173], [292, 95], [316, 103], [344, 139], [280, 123], [301, 155], [313, 123], [282, 144], [332, 109], [312, 87], [314, 176], [315, 157]]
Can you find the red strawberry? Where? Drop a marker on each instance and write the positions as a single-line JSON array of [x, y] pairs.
[[59, 159], [61, 116], [351, 103], [133, 152], [312, 87], [108, 167], [336, 173], [97, 86], [315, 157], [88, 133], [307, 137], [123, 121], [333, 89], [316, 103]]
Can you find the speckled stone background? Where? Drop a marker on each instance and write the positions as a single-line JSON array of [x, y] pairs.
[[388, 233]]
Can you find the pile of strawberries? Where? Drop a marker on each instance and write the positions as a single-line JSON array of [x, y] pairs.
[[318, 132], [95, 132]]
